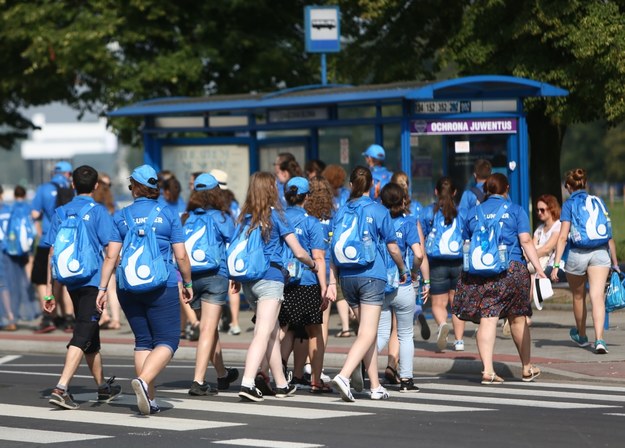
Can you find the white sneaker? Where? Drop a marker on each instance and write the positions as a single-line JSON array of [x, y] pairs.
[[441, 337], [235, 330], [459, 345], [379, 394], [342, 384], [325, 378]]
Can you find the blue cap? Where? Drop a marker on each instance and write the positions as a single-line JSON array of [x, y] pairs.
[[63, 167], [205, 182], [375, 152], [145, 175], [300, 183]]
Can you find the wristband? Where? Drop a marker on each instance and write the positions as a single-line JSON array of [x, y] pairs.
[[188, 285], [102, 288], [556, 265], [48, 298], [426, 282]]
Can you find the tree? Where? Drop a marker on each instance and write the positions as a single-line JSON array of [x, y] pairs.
[[577, 45], [102, 54]]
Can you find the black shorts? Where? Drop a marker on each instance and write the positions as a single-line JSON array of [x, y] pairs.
[[301, 306], [86, 334], [39, 275]]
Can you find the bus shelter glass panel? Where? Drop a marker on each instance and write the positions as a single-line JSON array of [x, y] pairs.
[[426, 166], [464, 150], [344, 145]]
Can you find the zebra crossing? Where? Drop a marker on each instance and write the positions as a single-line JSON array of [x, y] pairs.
[[235, 423]]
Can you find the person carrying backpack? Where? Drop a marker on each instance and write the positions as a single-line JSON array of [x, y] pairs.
[[8, 322], [442, 222], [475, 194], [362, 230], [402, 299], [147, 280], [79, 232], [262, 231], [208, 229], [483, 296], [587, 227]]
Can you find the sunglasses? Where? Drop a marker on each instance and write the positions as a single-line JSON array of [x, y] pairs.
[[542, 210], [130, 187]]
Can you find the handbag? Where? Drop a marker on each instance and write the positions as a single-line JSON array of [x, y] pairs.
[[615, 293], [542, 260]]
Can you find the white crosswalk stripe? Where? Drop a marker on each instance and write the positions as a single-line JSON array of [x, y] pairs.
[[209, 412]]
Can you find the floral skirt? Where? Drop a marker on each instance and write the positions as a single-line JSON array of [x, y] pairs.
[[503, 295]]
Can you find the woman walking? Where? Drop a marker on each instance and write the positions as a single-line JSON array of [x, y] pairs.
[[586, 224], [362, 230], [154, 316], [484, 299]]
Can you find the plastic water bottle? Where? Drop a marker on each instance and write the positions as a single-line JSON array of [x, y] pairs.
[[503, 253], [575, 236], [367, 244], [465, 255]]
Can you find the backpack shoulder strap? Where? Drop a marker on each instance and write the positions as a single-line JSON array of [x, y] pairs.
[[152, 216], [479, 194], [130, 221], [86, 208]]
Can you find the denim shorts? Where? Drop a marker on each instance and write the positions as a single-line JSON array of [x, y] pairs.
[[444, 275], [263, 290], [579, 260], [211, 289], [363, 290]]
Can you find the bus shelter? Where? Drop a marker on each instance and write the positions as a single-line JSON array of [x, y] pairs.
[[428, 129]]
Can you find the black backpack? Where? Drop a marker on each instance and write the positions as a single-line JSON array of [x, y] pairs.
[[63, 195]]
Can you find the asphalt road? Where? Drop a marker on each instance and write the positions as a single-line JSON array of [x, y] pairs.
[[447, 412]]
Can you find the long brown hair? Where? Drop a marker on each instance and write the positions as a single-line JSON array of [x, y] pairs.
[[320, 204], [446, 190], [262, 195], [393, 197], [361, 181], [400, 178]]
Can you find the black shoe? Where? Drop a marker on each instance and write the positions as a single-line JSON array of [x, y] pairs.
[[408, 386], [262, 384], [68, 324], [251, 394], [198, 389], [109, 391], [46, 325], [284, 392], [301, 382], [425, 328], [231, 376]]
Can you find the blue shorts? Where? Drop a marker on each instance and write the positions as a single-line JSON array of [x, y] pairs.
[[211, 289], [363, 290], [259, 290], [444, 275], [154, 317]]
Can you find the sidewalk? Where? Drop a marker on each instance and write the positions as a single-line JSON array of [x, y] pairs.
[[557, 356]]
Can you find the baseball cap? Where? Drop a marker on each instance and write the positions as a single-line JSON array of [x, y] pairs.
[[205, 182], [145, 175], [375, 152], [63, 167], [222, 178], [300, 183]]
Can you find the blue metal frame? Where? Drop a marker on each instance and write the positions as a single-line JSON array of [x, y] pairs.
[[334, 97]]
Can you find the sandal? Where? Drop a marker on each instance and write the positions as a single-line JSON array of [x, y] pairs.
[[391, 375], [534, 372], [110, 325], [344, 334], [491, 378], [320, 389]]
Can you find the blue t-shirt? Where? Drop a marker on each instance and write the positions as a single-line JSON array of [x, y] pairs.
[[280, 187], [407, 235], [5, 214], [178, 207], [167, 226], [415, 208], [381, 176], [341, 199], [45, 201], [99, 225], [427, 218], [381, 229], [469, 199], [514, 222], [225, 225], [310, 235]]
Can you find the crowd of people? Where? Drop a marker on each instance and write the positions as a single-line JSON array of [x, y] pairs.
[[174, 266]]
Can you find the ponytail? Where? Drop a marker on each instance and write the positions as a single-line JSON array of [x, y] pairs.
[[445, 193]]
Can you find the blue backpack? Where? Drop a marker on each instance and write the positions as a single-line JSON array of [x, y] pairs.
[[590, 222], [245, 255], [352, 245], [444, 240], [485, 258], [74, 260], [142, 267], [205, 248], [290, 263], [392, 272], [20, 232]]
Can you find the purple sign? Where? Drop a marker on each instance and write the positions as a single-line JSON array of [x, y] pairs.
[[477, 126]]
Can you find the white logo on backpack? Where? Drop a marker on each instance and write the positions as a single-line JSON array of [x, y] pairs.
[[137, 275]]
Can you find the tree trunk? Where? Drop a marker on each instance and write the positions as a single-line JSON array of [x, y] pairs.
[[545, 138]]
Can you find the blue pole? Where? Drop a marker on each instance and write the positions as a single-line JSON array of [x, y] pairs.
[[324, 70]]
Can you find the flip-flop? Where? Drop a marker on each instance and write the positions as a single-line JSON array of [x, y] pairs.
[[344, 334], [491, 378], [320, 389], [533, 374], [391, 375]]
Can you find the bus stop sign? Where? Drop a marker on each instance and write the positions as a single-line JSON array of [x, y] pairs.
[[323, 29]]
